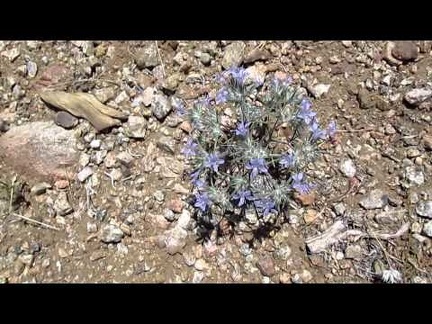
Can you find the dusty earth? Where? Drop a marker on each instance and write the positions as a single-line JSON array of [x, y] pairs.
[[85, 206]]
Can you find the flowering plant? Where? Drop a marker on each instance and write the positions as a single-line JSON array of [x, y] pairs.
[[249, 147]]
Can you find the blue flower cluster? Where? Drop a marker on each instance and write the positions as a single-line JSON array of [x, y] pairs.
[[247, 164]]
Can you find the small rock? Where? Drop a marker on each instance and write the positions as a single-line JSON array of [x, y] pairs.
[[27, 259], [4, 126], [416, 96], [98, 157], [319, 90], [285, 278], [201, 265], [111, 234], [159, 196], [184, 219], [84, 173], [310, 216], [121, 98], [97, 255], [413, 153], [105, 94], [136, 127], [95, 144], [306, 276], [175, 240], [40, 188], [426, 140], [169, 215], [147, 57], [65, 120], [266, 266], [233, 55], [339, 208], [61, 204], [427, 229], [125, 158], [176, 205], [167, 144], [198, 276], [257, 54], [375, 200], [205, 59], [405, 51], [32, 69], [305, 199], [347, 168], [92, 227], [110, 160], [147, 96], [424, 208], [388, 218], [84, 159], [256, 73], [283, 252], [353, 252], [251, 217], [160, 106], [11, 54], [414, 176], [347, 43], [171, 82], [61, 184]]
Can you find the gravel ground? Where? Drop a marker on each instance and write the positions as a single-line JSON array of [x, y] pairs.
[[101, 198]]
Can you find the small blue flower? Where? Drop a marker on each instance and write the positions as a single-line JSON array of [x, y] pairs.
[[317, 132], [299, 184], [305, 113], [287, 160], [331, 129], [242, 129], [180, 109], [238, 74], [202, 201], [257, 165], [266, 205], [213, 161], [190, 148], [222, 96], [242, 196]]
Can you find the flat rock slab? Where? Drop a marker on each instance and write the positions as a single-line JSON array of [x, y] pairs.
[[40, 151]]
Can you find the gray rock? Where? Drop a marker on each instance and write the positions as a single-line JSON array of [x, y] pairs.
[[283, 253], [170, 215], [405, 51], [160, 106], [4, 126], [266, 266], [198, 276], [121, 98], [424, 208], [167, 144], [427, 229], [376, 199], [84, 159], [40, 188], [65, 120], [389, 217], [171, 82], [61, 204], [414, 175], [175, 240], [205, 59], [147, 96], [105, 94], [32, 69], [84, 173], [147, 57], [251, 217], [159, 196], [319, 90], [257, 54], [11, 54], [353, 252], [347, 168], [184, 219], [91, 227], [111, 234], [136, 127], [339, 208], [416, 96], [98, 157], [125, 158], [233, 55]]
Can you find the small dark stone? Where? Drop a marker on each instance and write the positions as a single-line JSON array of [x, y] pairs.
[[65, 120], [4, 126], [405, 51]]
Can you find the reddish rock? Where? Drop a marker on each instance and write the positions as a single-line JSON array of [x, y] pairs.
[[53, 74], [40, 151], [266, 266], [61, 184], [305, 199], [176, 205]]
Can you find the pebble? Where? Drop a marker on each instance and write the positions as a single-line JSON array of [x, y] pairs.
[[105, 94], [111, 234], [347, 168], [84, 159], [170, 215], [125, 158], [176, 205], [84, 173], [319, 90], [424, 208], [167, 144], [40, 188], [233, 55], [413, 153], [98, 157], [198, 276], [61, 204], [160, 106], [159, 196], [95, 144], [11, 54], [283, 252], [285, 278], [339, 208], [426, 140], [353, 252], [61, 184], [136, 127], [110, 160], [306, 276], [266, 266], [427, 229], [4, 126], [416, 96], [92, 227], [205, 59], [310, 216], [147, 57], [414, 175], [376, 199], [65, 120], [175, 240], [32, 69], [201, 265], [184, 219]]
